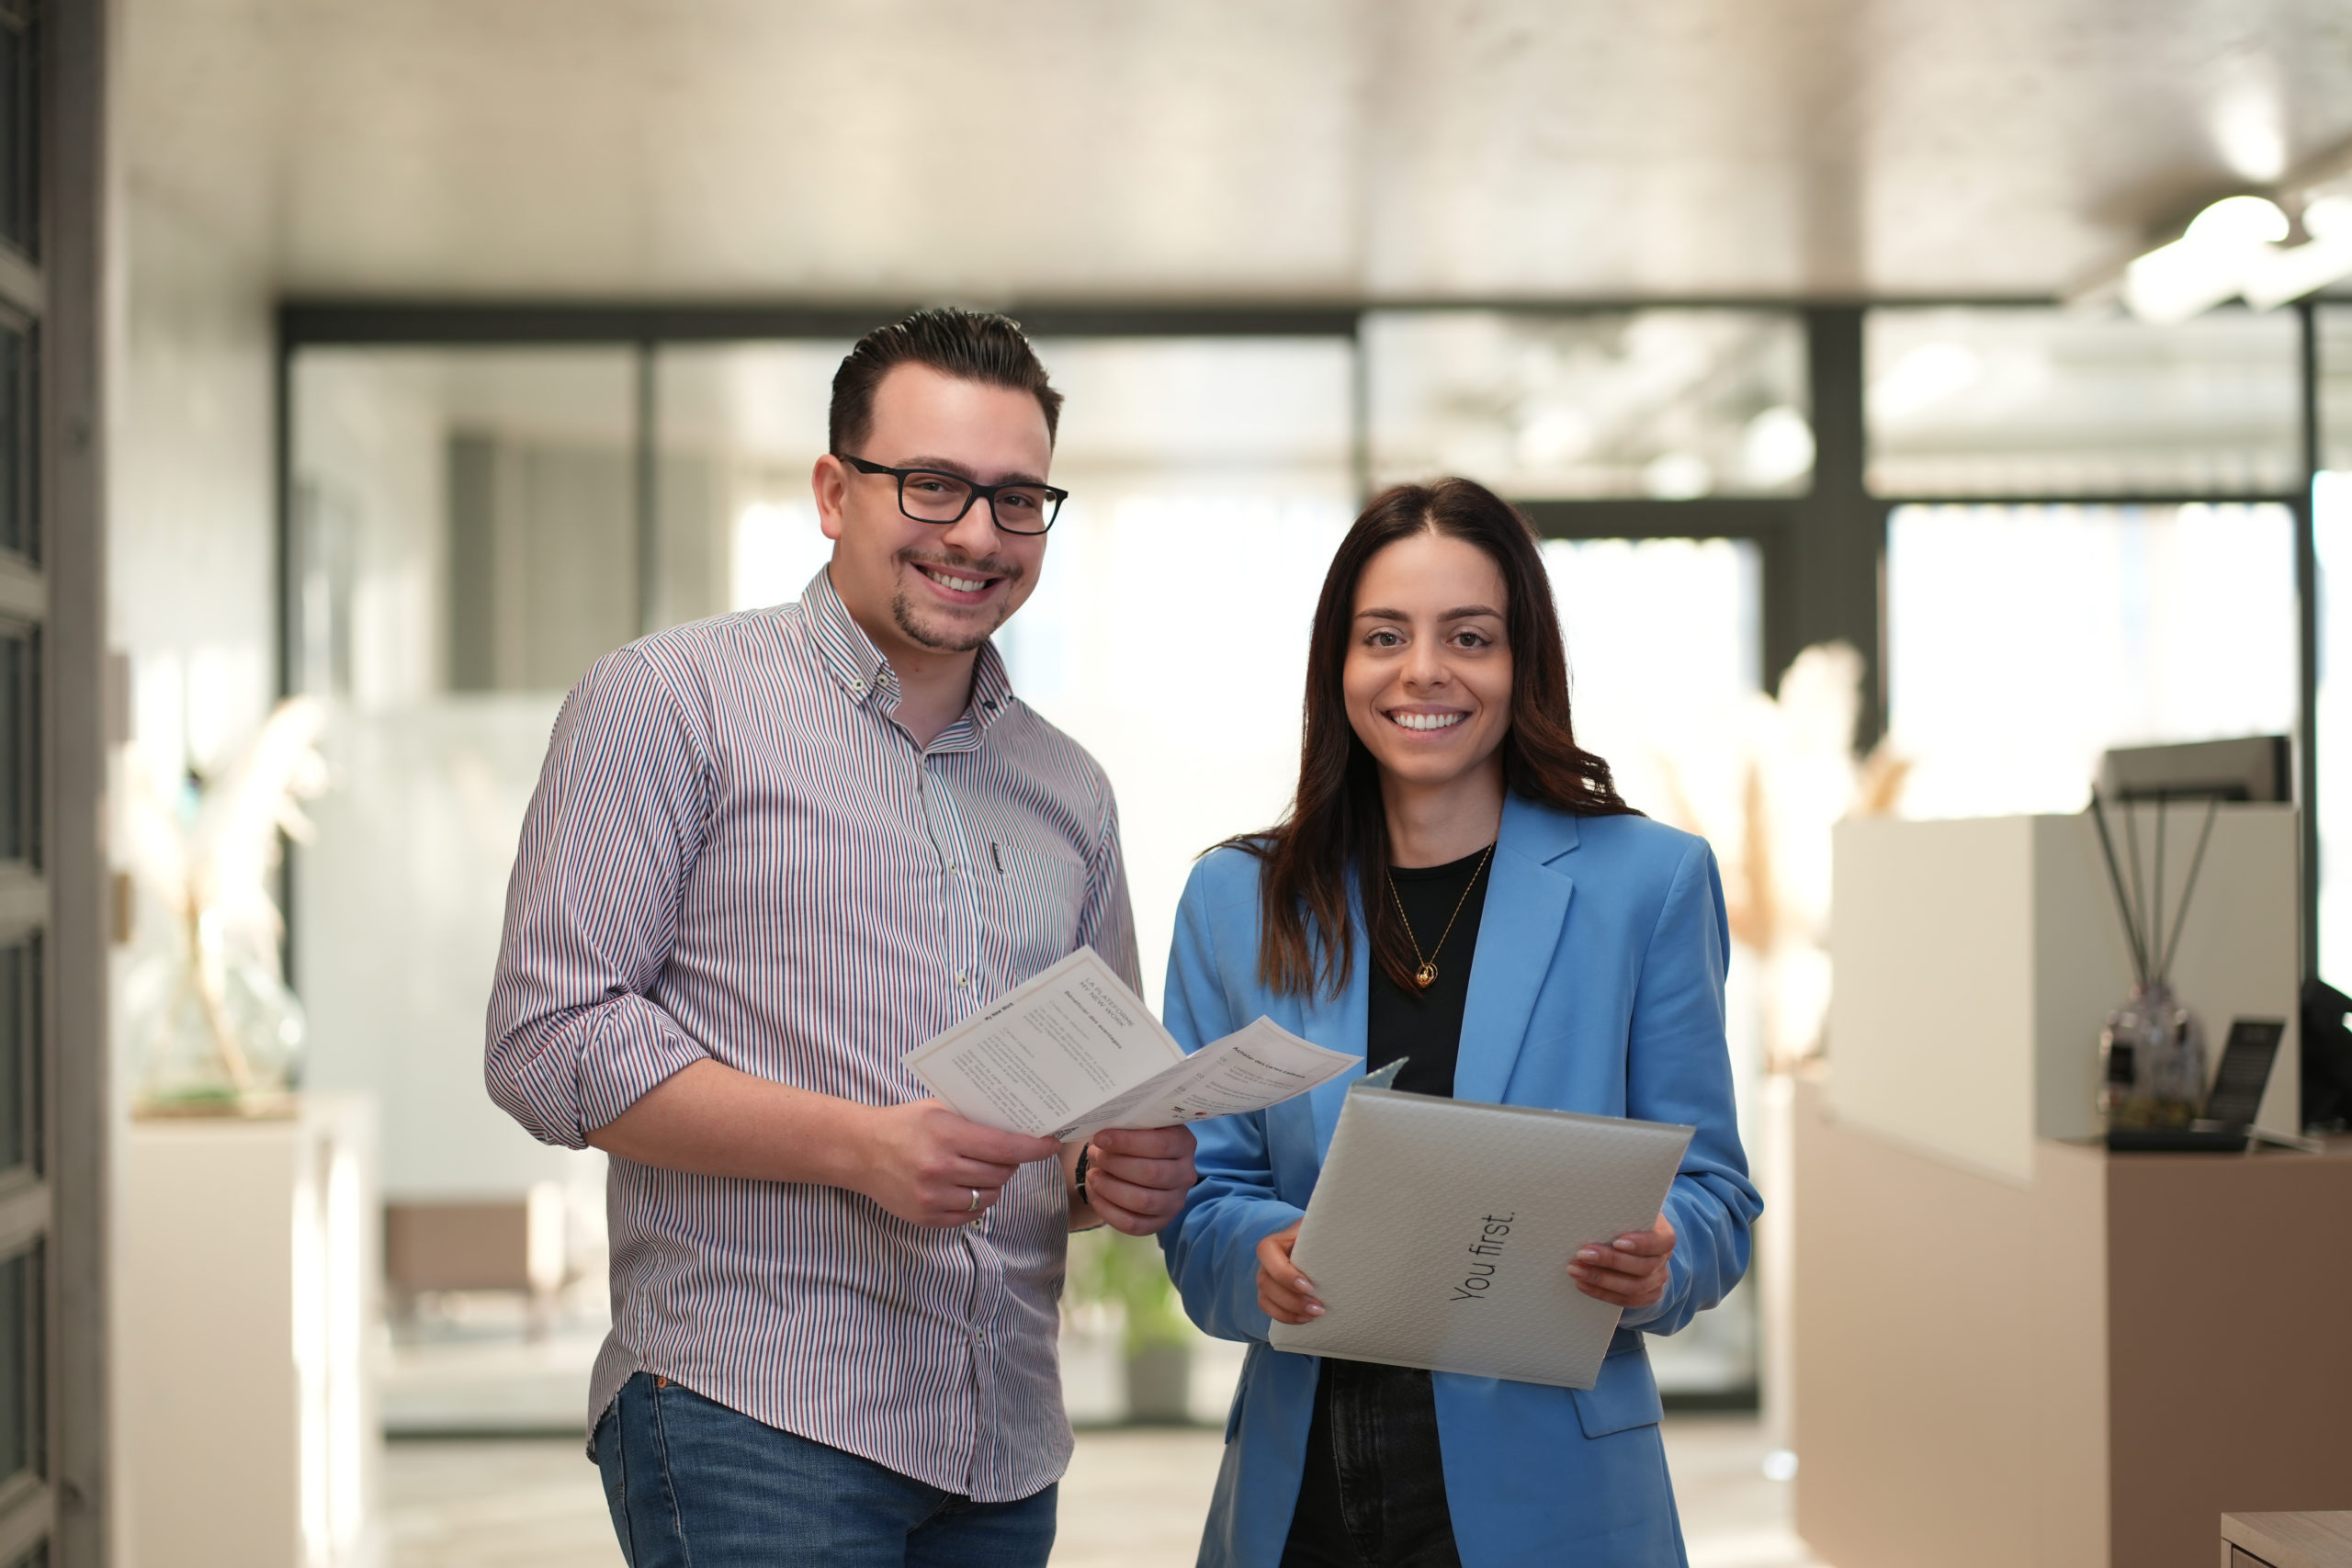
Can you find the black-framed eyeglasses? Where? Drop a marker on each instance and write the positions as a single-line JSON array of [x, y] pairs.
[[928, 495]]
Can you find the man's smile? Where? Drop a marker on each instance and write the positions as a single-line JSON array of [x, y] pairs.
[[960, 582]]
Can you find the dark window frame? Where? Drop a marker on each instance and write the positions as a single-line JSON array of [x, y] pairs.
[[1825, 549]]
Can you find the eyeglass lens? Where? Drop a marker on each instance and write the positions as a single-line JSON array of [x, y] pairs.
[[943, 498]]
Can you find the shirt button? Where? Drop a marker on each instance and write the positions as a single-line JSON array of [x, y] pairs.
[[963, 979]]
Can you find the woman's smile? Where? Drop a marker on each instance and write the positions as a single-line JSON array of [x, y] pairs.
[[1424, 720]]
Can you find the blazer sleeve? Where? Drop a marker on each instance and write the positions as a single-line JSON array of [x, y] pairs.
[[1677, 1070], [1212, 1246]]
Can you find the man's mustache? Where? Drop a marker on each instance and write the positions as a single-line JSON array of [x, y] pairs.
[[965, 565]]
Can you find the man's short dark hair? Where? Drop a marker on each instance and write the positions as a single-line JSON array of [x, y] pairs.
[[972, 345]]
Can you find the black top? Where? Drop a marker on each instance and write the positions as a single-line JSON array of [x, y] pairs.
[[1385, 1418], [1426, 1026]]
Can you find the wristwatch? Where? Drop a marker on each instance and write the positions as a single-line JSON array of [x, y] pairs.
[[1079, 1181]]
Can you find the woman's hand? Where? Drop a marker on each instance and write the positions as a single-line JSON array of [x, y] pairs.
[[1287, 1295], [1628, 1272], [1139, 1177]]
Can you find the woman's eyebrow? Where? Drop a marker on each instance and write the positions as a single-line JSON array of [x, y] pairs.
[[1466, 613]]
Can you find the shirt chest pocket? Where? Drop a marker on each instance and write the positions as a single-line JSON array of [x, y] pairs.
[[1029, 903]]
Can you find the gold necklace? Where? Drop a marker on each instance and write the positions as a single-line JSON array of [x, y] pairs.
[[1426, 976]]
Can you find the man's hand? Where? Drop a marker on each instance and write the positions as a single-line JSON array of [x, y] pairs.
[[1137, 1178], [1287, 1295], [1630, 1271], [924, 1163]]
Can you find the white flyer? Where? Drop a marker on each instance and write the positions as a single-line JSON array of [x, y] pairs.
[[1074, 1051]]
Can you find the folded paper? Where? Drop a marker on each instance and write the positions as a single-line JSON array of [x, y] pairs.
[[1074, 1051]]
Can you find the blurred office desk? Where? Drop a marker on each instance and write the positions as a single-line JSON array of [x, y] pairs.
[[2287, 1540], [2088, 1367], [245, 1331]]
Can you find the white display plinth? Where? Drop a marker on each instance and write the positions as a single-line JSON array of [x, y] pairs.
[[248, 1277], [1977, 961]]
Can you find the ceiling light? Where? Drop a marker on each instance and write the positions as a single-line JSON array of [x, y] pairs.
[[1554, 436], [2281, 272], [1776, 447], [2225, 247], [1678, 476], [1925, 375], [2245, 125], [2239, 220], [2329, 218]]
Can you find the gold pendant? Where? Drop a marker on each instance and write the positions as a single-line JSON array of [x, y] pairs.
[[1425, 977]]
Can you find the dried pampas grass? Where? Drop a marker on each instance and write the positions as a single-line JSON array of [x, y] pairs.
[[205, 994]]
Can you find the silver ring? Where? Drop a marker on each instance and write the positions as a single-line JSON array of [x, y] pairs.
[[974, 1207]]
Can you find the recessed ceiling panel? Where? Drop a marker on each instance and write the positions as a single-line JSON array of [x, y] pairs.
[[993, 149]]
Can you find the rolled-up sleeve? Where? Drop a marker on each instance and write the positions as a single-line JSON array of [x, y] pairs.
[[591, 910]]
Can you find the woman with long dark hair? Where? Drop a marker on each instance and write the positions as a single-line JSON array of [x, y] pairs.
[[1458, 884]]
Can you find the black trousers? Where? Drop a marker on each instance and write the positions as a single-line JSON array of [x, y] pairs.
[[1373, 1493]]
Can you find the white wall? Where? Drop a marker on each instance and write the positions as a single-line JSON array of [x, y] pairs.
[[189, 537], [191, 501]]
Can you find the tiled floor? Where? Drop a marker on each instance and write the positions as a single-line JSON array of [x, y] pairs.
[[1134, 1498]]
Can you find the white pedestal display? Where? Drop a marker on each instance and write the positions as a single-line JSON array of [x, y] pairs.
[[1977, 961], [249, 1260]]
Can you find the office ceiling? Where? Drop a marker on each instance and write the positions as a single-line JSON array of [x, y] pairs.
[[989, 149]]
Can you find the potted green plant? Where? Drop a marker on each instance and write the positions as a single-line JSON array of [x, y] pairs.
[[1155, 1340]]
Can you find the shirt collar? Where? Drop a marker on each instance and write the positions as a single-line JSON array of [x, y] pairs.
[[849, 654], [860, 668]]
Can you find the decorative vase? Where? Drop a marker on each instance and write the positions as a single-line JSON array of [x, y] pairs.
[[2151, 1061], [217, 1039]]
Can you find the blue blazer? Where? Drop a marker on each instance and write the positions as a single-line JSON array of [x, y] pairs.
[[1597, 986]]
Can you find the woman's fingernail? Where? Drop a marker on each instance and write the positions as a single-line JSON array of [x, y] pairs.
[[1590, 1255], [1623, 1244], [1315, 1309], [1302, 1283]]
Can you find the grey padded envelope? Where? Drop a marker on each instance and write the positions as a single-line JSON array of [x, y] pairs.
[[1439, 1233]]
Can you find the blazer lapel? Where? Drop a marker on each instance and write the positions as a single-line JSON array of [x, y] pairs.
[[1527, 900], [1337, 1024]]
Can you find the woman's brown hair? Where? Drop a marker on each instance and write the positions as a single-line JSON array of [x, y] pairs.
[[1336, 823]]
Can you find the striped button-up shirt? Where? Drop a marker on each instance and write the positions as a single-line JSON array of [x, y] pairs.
[[736, 852]]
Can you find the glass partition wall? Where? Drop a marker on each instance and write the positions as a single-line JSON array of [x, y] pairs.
[[461, 547], [1990, 496]]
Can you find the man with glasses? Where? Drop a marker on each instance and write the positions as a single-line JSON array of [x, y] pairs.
[[770, 854]]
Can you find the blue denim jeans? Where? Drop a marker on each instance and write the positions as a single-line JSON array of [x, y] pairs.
[[690, 1481]]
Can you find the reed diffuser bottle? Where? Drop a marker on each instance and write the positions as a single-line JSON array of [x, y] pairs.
[[2151, 1053]]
